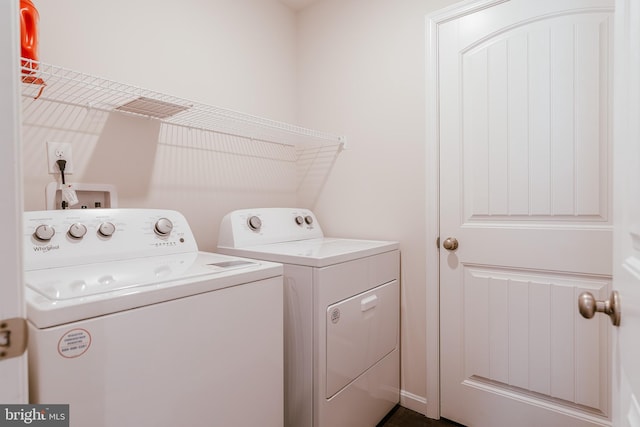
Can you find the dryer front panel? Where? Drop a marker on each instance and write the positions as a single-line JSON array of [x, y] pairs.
[[361, 330]]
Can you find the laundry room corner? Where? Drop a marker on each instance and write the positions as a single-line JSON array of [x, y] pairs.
[[362, 70], [356, 67], [303, 213]]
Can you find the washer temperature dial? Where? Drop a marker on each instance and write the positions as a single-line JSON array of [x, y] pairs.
[[106, 229], [163, 227], [44, 232], [77, 230]]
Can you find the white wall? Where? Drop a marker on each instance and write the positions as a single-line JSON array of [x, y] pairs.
[[355, 67], [362, 73], [234, 54], [230, 53]]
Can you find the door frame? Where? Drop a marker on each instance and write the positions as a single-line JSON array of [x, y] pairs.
[[14, 388], [432, 199], [626, 375]]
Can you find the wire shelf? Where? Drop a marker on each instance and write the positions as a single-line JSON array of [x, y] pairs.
[[46, 82]]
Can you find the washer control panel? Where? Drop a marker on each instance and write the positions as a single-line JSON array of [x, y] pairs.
[[60, 238], [250, 227]]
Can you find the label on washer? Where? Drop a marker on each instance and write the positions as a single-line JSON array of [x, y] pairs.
[[74, 343], [335, 316]]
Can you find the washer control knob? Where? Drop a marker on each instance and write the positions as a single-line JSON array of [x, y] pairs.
[[254, 223], [299, 220], [106, 229], [77, 230], [163, 227], [44, 232], [308, 219]]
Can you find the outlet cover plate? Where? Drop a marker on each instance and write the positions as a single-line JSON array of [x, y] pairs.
[[57, 151]]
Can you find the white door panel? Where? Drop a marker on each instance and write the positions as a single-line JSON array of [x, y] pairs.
[[518, 332], [534, 137], [525, 188]]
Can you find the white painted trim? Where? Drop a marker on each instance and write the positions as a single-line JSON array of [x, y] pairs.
[[13, 388], [432, 227], [413, 401], [461, 9]]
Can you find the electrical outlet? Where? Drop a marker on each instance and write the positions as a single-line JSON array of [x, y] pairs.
[[59, 151]]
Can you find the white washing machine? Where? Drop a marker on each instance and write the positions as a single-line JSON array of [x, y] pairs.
[[131, 325], [341, 315]]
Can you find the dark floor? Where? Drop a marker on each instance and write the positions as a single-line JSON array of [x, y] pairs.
[[403, 417]]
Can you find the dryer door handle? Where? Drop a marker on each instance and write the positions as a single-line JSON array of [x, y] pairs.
[[368, 303]]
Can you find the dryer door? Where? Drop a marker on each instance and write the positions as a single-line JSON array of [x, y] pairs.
[[361, 330]]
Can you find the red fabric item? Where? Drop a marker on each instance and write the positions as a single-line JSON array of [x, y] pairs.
[[29, 18]]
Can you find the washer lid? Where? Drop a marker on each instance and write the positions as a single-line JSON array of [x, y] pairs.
[[65, 294], [68, 283], [319, 252]]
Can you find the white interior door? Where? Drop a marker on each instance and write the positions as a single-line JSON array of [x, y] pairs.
[[525, 188], [13, 371], [626, 345]]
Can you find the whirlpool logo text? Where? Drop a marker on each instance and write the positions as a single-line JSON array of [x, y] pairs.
[[46, 248]]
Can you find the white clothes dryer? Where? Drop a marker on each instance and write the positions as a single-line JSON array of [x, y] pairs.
[[341, 315], [132, 326]]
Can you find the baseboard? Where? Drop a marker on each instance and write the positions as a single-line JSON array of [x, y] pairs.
[[413, 402]]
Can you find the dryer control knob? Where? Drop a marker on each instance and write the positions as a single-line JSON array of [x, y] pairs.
[[299, 220], [254, 223], [308, 219], [44, 232], [163, 227], [77, 230], [106, 229]]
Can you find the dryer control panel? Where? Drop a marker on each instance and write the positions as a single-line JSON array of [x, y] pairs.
[[60, 238], [250, 227]]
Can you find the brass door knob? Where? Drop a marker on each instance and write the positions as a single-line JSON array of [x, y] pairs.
[[589, 306], [450, 244]]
